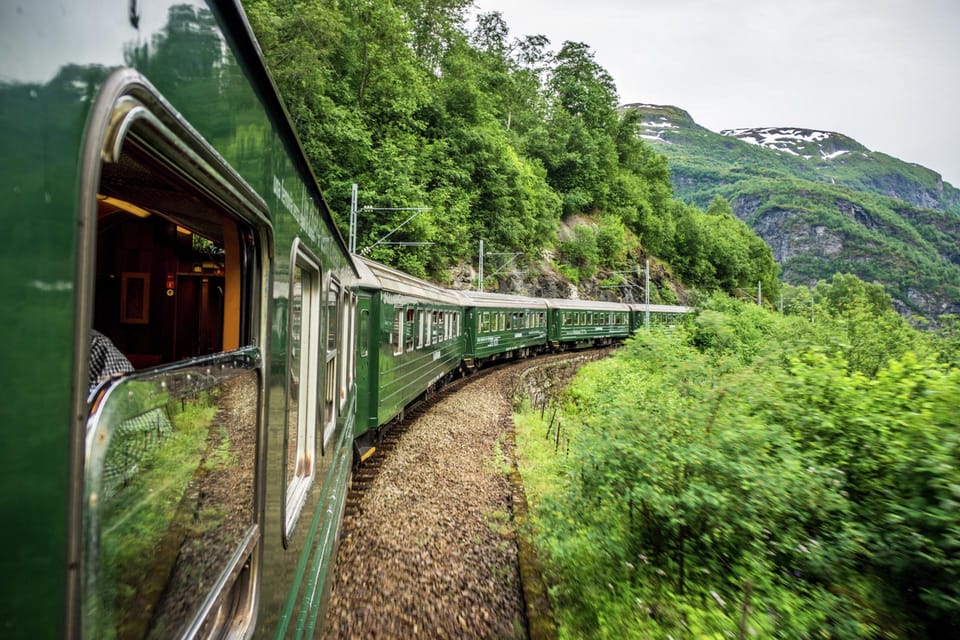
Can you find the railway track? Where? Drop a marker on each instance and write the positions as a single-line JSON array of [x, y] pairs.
[[366, 472], [429, 548]]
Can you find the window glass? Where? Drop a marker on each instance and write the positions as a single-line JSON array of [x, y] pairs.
[[304, 320], [363, 339], [396, 337], [331, 381], [170, 496]]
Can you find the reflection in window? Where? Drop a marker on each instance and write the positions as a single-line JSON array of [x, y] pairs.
[[170, 498], [330, 372], [302, 384]]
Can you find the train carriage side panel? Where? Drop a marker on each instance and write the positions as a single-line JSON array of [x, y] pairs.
[[580, 323], [420, 338], [503, 325], [180, 233]]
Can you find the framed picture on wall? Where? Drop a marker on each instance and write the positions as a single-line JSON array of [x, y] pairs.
[[135, 297]]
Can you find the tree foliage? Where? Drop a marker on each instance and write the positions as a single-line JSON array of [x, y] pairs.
[[499, 136], [738, 476]]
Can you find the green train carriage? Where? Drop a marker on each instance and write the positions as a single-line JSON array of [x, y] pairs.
[[159, 194], [657, 315], [585, 323], [415, 342], [503, 326]]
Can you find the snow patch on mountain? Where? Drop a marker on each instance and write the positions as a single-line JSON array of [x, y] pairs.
[[806, 143]]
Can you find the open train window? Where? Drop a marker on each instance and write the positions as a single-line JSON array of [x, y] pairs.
[[172, 272], [331, 381], [302, 364]]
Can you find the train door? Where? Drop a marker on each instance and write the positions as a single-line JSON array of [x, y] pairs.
[[167, 524]]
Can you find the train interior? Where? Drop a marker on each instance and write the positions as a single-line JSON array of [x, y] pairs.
[[167, 265], [170, 477]]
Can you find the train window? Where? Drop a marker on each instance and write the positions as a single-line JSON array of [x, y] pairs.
[[330, 380], [409, 329], [172, 255], [344, 357], [363, 339], [302, 365], [396, 337], [421, 329], [351, 339], [485, 322]]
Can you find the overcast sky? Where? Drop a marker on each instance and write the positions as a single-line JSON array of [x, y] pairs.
[[884, 72]]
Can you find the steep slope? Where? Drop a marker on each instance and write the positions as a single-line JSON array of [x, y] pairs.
[[824, 203]]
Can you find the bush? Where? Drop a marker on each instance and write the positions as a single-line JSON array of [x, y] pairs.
[[733, 477]]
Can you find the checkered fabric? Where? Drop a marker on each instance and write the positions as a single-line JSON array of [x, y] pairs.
[[105, 359]]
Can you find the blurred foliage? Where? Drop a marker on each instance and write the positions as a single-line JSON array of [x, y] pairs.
[[755, 474], [500, 136]]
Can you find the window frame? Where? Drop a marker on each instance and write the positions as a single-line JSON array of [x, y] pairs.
[[297, 488], [332, 312], [128, 107]]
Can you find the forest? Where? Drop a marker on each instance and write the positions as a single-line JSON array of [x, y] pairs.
[[500, 137]]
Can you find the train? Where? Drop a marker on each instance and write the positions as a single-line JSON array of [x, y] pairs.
[[158, 197], [413, 336]]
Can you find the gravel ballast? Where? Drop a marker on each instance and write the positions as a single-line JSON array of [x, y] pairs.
[[430, 551]]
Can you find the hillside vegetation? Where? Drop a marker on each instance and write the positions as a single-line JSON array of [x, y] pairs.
[[502, 138], [824, 203], [752, 474]]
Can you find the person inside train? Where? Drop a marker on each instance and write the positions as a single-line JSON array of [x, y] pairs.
[[106, 360]]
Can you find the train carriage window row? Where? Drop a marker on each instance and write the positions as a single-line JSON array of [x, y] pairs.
[[492, 322], [589, 319]]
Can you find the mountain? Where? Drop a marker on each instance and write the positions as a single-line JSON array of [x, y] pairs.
[[824, 203]]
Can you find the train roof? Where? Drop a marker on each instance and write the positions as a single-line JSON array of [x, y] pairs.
[[585, 305], [485, 299], [367, 279], [390, 279], [662, 308]]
